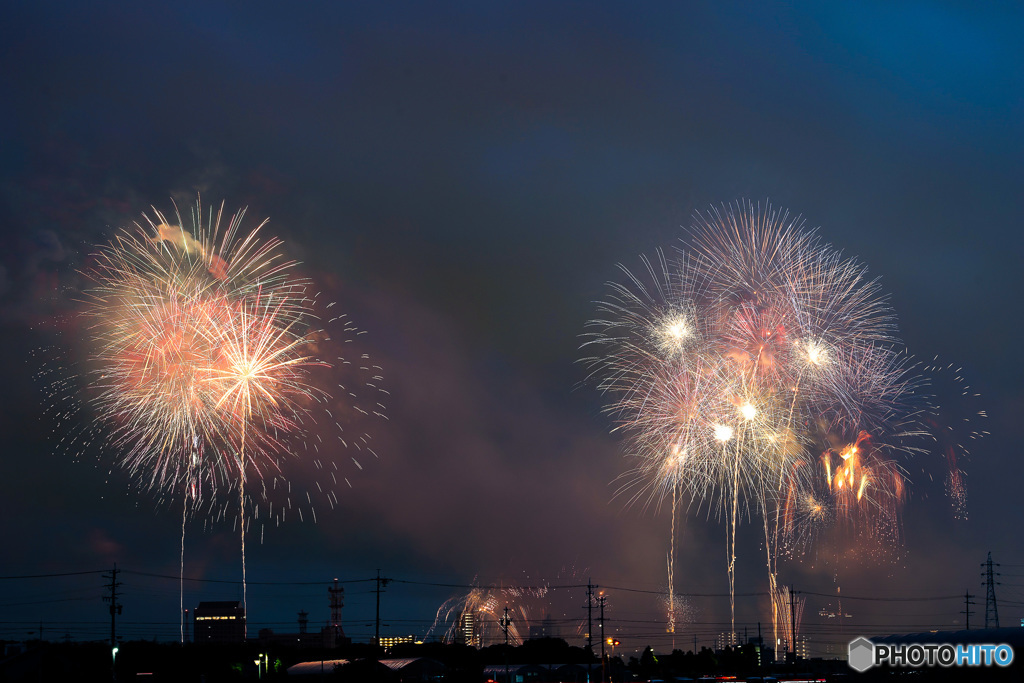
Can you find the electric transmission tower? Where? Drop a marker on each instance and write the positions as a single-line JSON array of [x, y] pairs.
[[590, 625], [991, 609], [337, 594], [505, 622]]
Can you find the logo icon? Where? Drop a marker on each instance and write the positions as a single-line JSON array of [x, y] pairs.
[[862, 654]]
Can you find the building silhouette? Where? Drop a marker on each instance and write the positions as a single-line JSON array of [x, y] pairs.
[[468, 633], [219, 622]]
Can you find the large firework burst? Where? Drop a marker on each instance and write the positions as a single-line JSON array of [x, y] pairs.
[[201, 353], [732, 366], [204, 348]]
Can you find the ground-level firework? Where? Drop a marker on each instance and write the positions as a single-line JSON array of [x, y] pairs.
[[757, 375], [541, 609]]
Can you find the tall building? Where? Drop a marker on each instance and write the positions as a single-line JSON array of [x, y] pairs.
[[467, 634], [219, 622], [803, 648]]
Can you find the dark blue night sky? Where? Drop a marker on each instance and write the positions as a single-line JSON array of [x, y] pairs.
[[463, 179]]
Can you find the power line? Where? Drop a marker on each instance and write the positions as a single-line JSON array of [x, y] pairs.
[[685, 595], [477, 585], [887, 599], [505, 586], [48, 576], [635, 628], [236, 583]]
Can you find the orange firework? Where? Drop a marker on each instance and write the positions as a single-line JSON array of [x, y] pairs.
[[854, 488], [859, 474], [203, 350], [201, 356]]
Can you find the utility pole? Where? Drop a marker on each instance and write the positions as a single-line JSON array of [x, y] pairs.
[[967, 610], [115, 609], [694, 643], [991, 609], [604, 668], [505, 621], [792, 619], [590, 626], [376, 633], [760, 645]]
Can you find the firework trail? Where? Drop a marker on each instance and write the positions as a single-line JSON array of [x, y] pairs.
[[729, 366], [954, 426], [790, 609], [204, 362]]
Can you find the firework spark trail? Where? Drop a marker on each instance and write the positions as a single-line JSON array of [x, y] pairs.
[[203, 360], [671, 609], [790, 609], [474, 617], [729, 365]]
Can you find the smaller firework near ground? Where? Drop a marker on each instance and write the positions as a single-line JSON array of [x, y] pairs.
[[540, 610]]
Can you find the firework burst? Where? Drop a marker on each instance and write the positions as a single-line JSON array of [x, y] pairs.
[[204, 366], [728, 367], [200, 354], [537, 610]]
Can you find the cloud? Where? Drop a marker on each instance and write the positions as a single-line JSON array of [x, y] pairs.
[[478, 468]]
